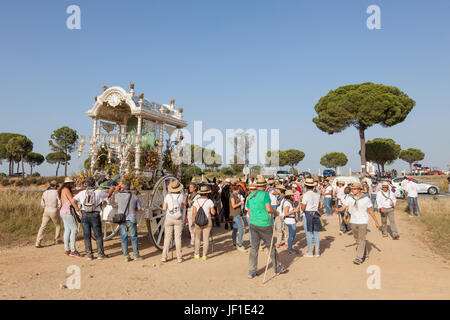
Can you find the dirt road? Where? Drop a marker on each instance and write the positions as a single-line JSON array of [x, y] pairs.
[[408, 270]]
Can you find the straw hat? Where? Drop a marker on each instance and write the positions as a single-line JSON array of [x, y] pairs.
[[385, 184], [356, 185], [260, 181], [53, 183], [340, 182], [309, 182], [204, 190], [68, 179], [175, 186], [288, 193], [251, 187], [280, 187], [228, 180]]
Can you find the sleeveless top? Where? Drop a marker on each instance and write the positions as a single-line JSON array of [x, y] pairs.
[[65, 208], [234, 212]]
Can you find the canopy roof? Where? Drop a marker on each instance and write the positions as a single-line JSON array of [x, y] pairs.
[[117, 105]]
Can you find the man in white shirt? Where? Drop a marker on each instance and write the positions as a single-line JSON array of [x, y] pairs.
[[90, 218], [359, 207], [311, 219], [411, 193], [386, 202], [327, 192]]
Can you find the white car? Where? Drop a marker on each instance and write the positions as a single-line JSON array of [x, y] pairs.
[[282, 174], [422, 187]]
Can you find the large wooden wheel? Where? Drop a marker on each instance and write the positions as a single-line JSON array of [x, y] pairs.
[[157, 217]]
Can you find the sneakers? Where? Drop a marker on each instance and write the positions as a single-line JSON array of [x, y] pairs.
[[102, 256], [317, 255], [57, 242], [281, 269], [67, 253], [163, 260], [196, 256], [127, 259], [241, 248], [385, 235], [38, 245], [292, 251], [190, 246], [341, 233], [90, 257], [180, 260], [308, 255], [396, 236], [204, 258], [364, 258], [357, 261], [138, 258], [75, 254], [251, 275]]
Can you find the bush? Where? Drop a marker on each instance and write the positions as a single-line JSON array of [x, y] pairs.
[[36, 174], [19, 183], [6, 182], [2, 174]]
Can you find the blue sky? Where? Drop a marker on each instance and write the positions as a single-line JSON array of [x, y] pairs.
[[232, 64]]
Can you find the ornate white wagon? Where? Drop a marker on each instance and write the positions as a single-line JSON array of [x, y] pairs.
[[126, 126]]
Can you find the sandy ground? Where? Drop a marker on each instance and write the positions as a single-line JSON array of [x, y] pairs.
[[408, 270]]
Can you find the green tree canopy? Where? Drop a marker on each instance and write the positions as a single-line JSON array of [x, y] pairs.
[[18, 147], [411, 155], [382, 151], [237, 167], [34, 159], [334, 160], [64, 140], [4, 154], [273, 155], [361, 106], [293, 157], [58, 158]]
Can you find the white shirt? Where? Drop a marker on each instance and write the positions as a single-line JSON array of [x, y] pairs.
[[404, 184], [290, 219], [386, 200], [411, 189], [340, 193], [311, 199], [273, 198], [359, 213], [328, 189], [206, 207], [100, 195], [174, 203]]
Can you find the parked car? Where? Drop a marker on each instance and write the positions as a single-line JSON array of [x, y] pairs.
[[422, 187], [306, 174], [329, 173], [283, 174]]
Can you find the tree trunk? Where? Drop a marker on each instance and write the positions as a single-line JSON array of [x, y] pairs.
[[410, 167], [31, 169], [65, 163], [382, 168], [18, 164], [379, 169], [23, 171], [362, 140], [57, 168], [11, 166]]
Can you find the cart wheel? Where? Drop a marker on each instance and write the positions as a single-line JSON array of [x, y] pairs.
[[155, 223]]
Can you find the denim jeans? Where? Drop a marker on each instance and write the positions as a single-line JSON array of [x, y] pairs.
[[88, 221], [264, 234], [411, 201], [70, 231], [237, 226], [130, 227], [291, 228], [272, 216], [373, 198], [327, 205], [309, 235], [249, 232]]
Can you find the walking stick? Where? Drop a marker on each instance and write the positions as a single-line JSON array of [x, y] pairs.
[[270, 251]]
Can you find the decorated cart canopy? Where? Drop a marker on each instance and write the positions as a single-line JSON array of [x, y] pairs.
[[125, 123]]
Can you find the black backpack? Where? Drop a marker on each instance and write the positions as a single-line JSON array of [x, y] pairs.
[[200, 218]]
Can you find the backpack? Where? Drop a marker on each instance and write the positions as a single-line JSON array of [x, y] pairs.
[[89, 201], [201, 219], [174, 211]]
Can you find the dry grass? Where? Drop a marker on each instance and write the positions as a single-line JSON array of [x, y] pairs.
[[20, 217], [435, 215]]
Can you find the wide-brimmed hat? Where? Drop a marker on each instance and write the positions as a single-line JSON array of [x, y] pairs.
[[251, 187], [175, 186], [68, 179], [340, 182], [204, 190], [280, 187], [270, 181], [385, 184], [309, 182], [289, 193], [260, 181], [227, 180], [53, 183], [356, 185]]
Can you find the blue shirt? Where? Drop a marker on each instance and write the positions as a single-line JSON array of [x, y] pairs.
[[122, 199]]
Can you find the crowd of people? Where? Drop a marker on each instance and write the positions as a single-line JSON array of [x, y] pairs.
[[269, 208]]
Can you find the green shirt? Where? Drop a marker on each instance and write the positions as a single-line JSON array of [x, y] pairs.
[[258, 212]]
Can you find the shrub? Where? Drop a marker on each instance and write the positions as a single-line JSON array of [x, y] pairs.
[[2, 174], [6, 182], [19, 183], [36, 174]]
